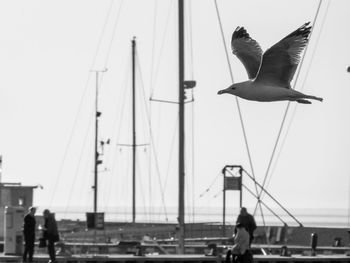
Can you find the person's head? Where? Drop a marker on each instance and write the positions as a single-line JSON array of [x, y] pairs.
[[32, 210], [46, 213], [243, 211]]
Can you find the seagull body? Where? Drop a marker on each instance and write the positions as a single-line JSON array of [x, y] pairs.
[[270, 73]]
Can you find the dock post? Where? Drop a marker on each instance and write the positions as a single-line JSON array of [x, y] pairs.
[[314, 238]]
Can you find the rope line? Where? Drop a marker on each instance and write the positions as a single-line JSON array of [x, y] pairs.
[[237, 102], [149, 124], [274, 199], [155, 154], [287, 108], [161, 48], [268, 208], [138, 165], [208, 189], [153, 43], [116, 130], [82, 151], [80, 105], [232, 79], [113, 34], [102, 34], [171, 153], [302, 87]]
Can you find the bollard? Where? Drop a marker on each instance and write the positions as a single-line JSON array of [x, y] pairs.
[[314, 238]]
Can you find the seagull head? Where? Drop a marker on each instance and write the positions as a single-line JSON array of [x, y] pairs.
[[231, 90]]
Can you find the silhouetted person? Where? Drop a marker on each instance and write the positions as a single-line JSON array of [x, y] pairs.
[[240, 252], [51, 234], [248, 221], [29, 234]]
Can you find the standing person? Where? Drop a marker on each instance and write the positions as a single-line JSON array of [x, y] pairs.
[[50, 233], [248, 221], [29, 234], [240, 251]]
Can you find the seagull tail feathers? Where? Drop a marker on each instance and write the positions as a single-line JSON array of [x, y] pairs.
[[304, 101], [315, 98]]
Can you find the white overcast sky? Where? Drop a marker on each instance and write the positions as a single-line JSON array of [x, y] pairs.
[[47, 52]]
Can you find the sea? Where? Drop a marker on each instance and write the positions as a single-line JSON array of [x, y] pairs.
[[312, 217]]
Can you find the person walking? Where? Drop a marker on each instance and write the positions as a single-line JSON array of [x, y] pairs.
[[248, 222], [29, 234], [50, 234]]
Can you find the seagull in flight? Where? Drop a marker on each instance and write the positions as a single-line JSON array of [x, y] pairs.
[[271, 72]]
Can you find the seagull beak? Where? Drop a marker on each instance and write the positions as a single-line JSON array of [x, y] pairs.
[[222, 91]]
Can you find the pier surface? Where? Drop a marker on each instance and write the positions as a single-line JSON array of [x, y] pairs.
[[176, 258]]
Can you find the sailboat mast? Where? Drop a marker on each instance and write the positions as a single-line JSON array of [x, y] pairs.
[[97, 162], [133, 44], [97, 115], [181, 212]]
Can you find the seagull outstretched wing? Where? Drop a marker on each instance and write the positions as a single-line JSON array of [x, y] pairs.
[[247, 50], [281, 60]]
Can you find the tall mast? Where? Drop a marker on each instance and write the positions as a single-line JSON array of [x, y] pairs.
[[181, 212], [96, 154], [97, 115], [133, 44]]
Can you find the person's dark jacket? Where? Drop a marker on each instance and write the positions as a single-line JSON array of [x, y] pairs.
[[29, 227], [248, 222], [51, 231]]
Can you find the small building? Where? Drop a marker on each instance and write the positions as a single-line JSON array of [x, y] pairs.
[[14, 194]]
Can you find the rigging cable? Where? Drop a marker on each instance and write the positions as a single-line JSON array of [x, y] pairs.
[[113, 34], [153, 43], [192, 107], [79, 108], [208, 189], [302, 87], [140, 183], [288, 106], [237, 102], [150, 198], [78, 166], [117, 125], [268, 208], [154, 153], [162, 46], [274, 199], [143, 95], [170, 153], [114, 29], [256, 185], [154, 72]]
